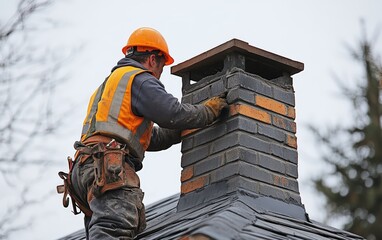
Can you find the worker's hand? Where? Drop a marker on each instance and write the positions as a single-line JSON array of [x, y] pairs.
[[216, 104]]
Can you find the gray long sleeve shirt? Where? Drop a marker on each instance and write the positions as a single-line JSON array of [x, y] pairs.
[[151, 101]]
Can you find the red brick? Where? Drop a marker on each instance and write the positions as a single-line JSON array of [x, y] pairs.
[[291, 112], [187, 173], [271, 104], [284, 123], [291, 140], [250, 112], [280, 181], [194, 184], [188, 131]]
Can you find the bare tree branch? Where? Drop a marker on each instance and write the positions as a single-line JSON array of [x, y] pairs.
[[25, 10], [28, 86]]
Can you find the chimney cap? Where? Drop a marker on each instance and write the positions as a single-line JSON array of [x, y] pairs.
[[235, 45]]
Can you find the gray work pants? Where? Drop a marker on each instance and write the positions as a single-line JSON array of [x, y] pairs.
[[117, 214]]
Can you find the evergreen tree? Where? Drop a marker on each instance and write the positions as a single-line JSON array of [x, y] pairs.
[[355, 154]]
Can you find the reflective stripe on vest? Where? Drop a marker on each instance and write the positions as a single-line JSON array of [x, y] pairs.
[[93, 108], [110, 126]]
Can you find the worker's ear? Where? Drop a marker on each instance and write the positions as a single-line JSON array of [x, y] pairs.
[[152, 61]]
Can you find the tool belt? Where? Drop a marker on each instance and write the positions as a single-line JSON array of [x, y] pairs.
[[111, 171], [67, 189]]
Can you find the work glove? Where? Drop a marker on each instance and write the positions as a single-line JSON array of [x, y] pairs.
[[215, 105]]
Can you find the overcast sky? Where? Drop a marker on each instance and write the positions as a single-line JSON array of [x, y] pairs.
[[312, 32]]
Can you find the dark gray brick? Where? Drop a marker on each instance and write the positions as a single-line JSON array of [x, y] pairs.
[[241, 154], [271, 132], [201, 95], [229, 140], [284, 95], [255, 172], [226, 171], [276, 192], [237, 94], [284, 152], [293, 185], [241, 123], [290, 155], [209, 134], [194, 155], [272, 164], [253, 142], [233, 181], [285, 182], [277, 150], [217, 88], [233, 80], [291, 169], [239, 182], [233, 124], [284, 123], [241, 169], [250, 156], [234, 154], [208, 164], [251, 82], [273, 191], [187, 144]]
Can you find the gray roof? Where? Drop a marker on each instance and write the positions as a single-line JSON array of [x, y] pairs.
[[237, 216]]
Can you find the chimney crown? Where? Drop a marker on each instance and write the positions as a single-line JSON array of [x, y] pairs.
[[235, 54]]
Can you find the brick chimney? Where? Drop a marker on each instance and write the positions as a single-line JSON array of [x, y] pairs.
[[252, 147]]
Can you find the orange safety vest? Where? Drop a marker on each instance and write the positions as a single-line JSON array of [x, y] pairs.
[[110, 112]]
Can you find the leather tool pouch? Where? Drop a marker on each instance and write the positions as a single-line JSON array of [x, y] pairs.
[[109, 168], [67, 190]]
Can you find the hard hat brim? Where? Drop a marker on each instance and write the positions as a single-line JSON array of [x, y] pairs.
[[169, 59]]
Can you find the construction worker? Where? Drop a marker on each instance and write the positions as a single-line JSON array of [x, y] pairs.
[[119, 128]]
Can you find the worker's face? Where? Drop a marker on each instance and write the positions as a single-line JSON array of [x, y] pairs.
[[156, 64]]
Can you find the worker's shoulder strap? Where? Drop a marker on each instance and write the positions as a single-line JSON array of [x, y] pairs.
[[133, 70]]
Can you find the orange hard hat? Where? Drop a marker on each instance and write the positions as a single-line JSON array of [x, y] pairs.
[[151, 39]]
